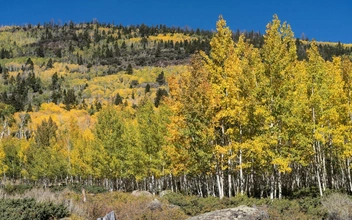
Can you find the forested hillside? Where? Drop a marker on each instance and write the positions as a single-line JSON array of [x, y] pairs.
[[208, 113]]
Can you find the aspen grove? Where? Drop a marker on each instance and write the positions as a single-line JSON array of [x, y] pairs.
[[238, 119]]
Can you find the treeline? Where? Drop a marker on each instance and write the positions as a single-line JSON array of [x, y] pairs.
[[241, 120], [94, 43]]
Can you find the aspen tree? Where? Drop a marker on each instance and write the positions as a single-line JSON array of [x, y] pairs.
[[279, 56]]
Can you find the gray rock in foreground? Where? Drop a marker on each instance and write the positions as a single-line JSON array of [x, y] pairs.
[[141, 193], [155, 205], [109, 216], [241, 212]]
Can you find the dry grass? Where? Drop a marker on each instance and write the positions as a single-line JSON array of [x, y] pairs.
[[339, 206], [124, 205], [127, 206]]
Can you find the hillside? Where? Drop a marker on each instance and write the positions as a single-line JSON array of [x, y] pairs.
[[79, 53], [211, 114]]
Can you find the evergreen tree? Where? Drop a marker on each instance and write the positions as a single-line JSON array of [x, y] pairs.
[[159, 95], [40, 51], [147, 88], [129, 69], [161, 78], [70, 99], [30, 63], [118, 99], [49, 65]]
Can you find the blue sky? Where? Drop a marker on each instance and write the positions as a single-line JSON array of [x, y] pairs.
[[323, 20]]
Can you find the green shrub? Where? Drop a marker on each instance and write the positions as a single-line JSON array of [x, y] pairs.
[[188, 204], [16, 189], [245, 200], [23, 209], [57, 188], [312, 206], [89, 189], [312, 192]]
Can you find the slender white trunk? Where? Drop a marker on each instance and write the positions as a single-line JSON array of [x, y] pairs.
[[323, 168], [184, 184], [317, 162], [317, 171], [208, 191], [251, 190], [280, 185], [200, 188], [171, 183], [241, 174], [349, 175], [319, 183], [230, 185], [272, 186], [220, 182]]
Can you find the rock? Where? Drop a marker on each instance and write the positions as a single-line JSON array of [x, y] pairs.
[[241, 212], [109, 216], [165, 192], [141, 193], [172, 206], [154, 205]]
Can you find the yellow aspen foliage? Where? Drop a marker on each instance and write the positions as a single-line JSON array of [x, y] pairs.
[[190, 129], [3, 166]]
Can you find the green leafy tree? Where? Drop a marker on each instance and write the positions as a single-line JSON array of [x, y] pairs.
[[191, 128], [45, 157], [152, 134], [46, 133], [109, 132]]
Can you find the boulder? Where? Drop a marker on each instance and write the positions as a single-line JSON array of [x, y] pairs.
[[109, 216], [155, 205], [141, 193], [241, 212]]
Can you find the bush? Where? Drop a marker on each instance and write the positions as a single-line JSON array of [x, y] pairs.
[[312, 206], [23, 209], [187, 203], [312, 192], [339, 206], [16, 189], [89, 189]]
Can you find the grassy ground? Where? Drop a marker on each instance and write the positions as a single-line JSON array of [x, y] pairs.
[[177, 206]]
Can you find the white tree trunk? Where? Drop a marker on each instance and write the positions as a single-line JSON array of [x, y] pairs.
[[280, 185], [349, 175], [220, 181], [241, 174]]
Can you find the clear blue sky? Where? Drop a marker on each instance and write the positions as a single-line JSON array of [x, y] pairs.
[[323, 20]]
